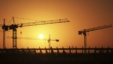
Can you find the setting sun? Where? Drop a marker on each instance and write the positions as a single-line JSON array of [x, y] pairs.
[[41, 36]]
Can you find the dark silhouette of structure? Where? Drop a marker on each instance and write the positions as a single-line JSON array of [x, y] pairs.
[[85, 31], [14, 27], [56, 56]]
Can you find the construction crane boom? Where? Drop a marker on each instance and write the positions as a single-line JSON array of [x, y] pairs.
[[43, 22], [93, 29], [98, 28], [14, 27], [84, 32]]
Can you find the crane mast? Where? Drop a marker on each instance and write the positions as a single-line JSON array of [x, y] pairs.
[[4, 29], [14, 27], [84, 32]]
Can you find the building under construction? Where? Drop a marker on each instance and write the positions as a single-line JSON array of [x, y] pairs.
[[57, 56]]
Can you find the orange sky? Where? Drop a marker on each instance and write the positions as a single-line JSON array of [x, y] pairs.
[[82, 14]]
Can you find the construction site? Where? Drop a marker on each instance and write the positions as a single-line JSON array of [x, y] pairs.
[[50, 55]]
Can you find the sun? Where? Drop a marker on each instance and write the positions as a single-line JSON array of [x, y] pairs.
[[41, 36]]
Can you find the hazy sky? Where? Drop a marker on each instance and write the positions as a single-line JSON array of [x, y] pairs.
[[83, 14]]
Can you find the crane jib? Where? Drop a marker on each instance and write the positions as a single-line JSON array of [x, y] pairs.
[[43, 22]]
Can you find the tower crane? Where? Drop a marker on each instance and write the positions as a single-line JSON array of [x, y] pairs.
[[85, 31], [49, 40], [30, 38], [14, 27]]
